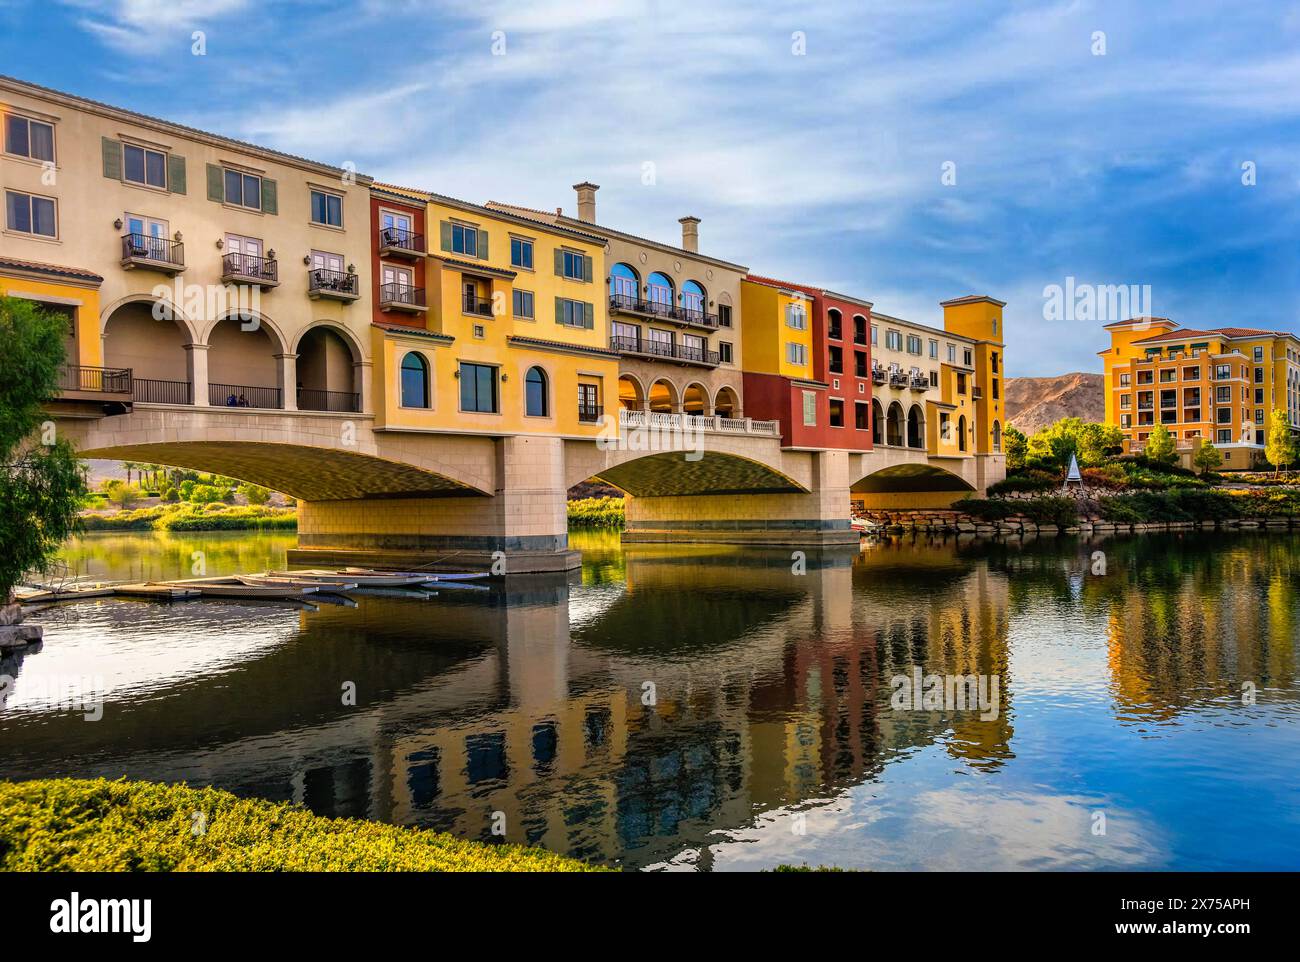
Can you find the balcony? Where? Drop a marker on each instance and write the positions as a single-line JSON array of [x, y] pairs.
[[627, 304], [402, 297], [664, 350], [878, 375], [590, 413], [897, 379], [917, 383], [477, 306], [405, 244], [332, 285], [152, 253], [153, 391], [342, 402], [251, 269], [977, 393], [243, 396]]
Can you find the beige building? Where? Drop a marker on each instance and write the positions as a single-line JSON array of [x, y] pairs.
[[674, 316], [222, 273]]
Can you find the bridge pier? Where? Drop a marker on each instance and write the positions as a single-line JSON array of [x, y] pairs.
[[816, 517]]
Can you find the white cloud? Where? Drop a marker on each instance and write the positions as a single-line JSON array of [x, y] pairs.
[[148, 27]]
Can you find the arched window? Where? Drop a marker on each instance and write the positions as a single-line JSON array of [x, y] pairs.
[[693, 297], [961, 433], [915, 427], [659, 291], [535, 393], [622, 283], [894, 425], [997, 437], [415, 381]]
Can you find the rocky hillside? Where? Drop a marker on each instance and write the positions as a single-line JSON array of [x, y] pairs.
[[1035, 402]]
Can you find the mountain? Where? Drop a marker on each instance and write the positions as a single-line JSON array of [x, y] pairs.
[[1035, 402]]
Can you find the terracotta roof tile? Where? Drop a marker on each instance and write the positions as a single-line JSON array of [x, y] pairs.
[[53, 269]]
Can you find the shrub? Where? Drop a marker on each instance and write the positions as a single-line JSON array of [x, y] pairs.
[[187, 489], [1030, 481], [596, 512], [205, 494], [94, 825], [1058, 511], [171, 495], [255, 493]]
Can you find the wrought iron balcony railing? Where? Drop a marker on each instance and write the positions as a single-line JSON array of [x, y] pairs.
[[337, 284], [313, 399], [395, 240], [250, 267], [243, 396], [150, 251], [401, 297], [78, 378]]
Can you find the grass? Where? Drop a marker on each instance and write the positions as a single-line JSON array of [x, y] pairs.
[[75, 825], [194, 517], [596, 513]]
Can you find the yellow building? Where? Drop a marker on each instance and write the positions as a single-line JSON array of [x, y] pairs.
[[1221, 384], [780, 339]]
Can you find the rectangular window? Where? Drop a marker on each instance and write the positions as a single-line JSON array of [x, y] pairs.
[[1146, 377], [1259, 395], [893, 340], [1224, 415], [140, 165], [326, 209], [572, 265], [28, 214], [478, 388], [961, 383], [861, 415], [796, 353], [523, 303], [810, 409], [860, 363], [934, 379], [1125, 401], [836, 360], [952, 353], [1259, 375], [1168, 374], [29, 138], [796, 317], [875, 336], [934, 349], [966, 355], [837, 412], [1224, 437], [913, 344], [724, 315], [1222, 371], [1223, 395], [521, 253], [1259, 354], [724, 352], [464, 240], [572, 313], [243, 190], [1126, 420], [1125, 380], [1169, 399]]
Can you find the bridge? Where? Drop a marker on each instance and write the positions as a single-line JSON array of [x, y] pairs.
[[369, 495]]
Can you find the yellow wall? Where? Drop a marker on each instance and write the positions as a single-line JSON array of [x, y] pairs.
[[83, 300], [765, 333], [981, 320]]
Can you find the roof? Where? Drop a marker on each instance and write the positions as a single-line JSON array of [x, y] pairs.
[[37, 90], [54, 270], [972, 299], [1232, 333], [419, 194], [784, 285], [875, 316]]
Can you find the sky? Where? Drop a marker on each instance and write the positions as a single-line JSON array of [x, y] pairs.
[[902, 152]]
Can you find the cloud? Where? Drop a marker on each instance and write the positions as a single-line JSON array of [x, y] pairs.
[[146, 27]]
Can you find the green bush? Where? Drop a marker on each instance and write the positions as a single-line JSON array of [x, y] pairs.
[[1058, 511], [1191, 504], [74, 825], [205, 494], [255, 493], [171, 495], [596, 513], [187, 489], [1031, 481]]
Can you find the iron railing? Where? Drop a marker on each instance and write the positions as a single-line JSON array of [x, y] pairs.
[[878, 375], [664, 349], [320, 280], [396, 238], [95, 380], [590, 413], [243, 396], [312, 399], [154, 391], [627, 302], [401, 294], [253, 266], [474, 304], [148, 247]]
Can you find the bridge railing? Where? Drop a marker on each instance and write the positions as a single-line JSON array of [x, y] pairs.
[[713, 424]]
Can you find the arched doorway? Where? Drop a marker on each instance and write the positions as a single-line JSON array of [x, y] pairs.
[[726, 405], [243, 365], [894, 425], [326, 372], [997, 437], [663, 397], [877, 422], [154, 349], [915, 427], [961, 433], [631, 397], [695, 400]]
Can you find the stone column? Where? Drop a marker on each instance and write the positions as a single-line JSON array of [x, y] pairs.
[[197, 364], [362, 375], [288, 381]]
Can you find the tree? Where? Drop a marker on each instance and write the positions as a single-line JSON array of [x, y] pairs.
[[1280, 448], [1160, 445], [41, 480], [1016, 446], [1207, 457], [254, 493]]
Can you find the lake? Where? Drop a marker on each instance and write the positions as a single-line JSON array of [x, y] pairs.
[[1129, 704]]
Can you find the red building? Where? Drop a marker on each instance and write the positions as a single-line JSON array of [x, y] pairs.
[[398, 250]]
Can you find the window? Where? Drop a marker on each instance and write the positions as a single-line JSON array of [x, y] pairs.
[[1259, 375], [28, 214], [861, 415], [875, 336], [1126, 420], [836, 360], [143, 166], [623, 284], [1168, 374], [1222, 371], [837, 412], [796, 317], [660, 290], [693, 297], [810, 408], [29, 138], [464, 240], [961, 383], [1191, 374], [859, 363], [1259, 395], [571, 265], [1224, 415], [694, 346], [415, 381], [572, 313], [996, 390], [913, 344], [1146, 377], [952, 353], [478, 388], [1223, 395], [724, 315], [521, 253], [1125, 401], [993, 356], [1259, 354], [934, 379], [326, 209], [243, 190], [934, 348], [966, 357], [589, 403], [796, 353], [893, 340], [535, 393], [724, 352], [523, 303]]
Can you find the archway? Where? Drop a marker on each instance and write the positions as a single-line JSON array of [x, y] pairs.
[[663, 397], [326, 371], [915, 427], [154, 349], [894, 425], [624, 285], [244, 365], [631, 396], [961, 433], [726, 405], [877, 422], [695, 400], [997, 437]]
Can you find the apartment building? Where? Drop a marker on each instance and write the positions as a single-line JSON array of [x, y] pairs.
[[194, 269], [487, 321], [1220, 384], [808, 363], [674, 315]]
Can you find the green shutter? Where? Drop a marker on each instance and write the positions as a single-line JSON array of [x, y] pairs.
[[586, 271], [444, 232], [176, 173], [559, 262], [216, 184], [588, 316], [270, 197], [559, 310], [482, 245], [112, 151]]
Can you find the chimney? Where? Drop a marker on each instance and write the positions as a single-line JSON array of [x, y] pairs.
[[586, 201], [690, 233]]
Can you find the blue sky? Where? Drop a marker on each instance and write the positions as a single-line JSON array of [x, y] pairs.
[[823, 166]]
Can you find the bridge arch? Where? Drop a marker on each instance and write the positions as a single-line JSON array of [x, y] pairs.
[[911, 478]]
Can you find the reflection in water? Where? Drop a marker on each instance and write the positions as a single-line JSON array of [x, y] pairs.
[[710, 707]]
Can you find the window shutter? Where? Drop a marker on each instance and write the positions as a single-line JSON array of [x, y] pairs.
[[176, 173], [270, 197], [559, 262], [586, 271], [559, 310], [216, 184], [444, 234], [589, 316], [482, 245], [112, 151]]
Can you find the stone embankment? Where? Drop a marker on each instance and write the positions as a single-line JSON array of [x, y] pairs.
[[936, 521]]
